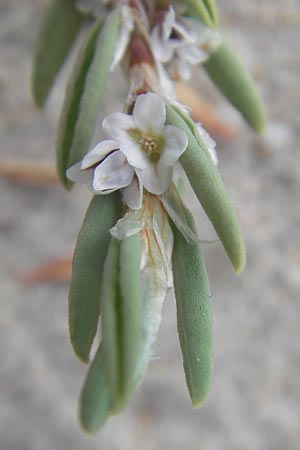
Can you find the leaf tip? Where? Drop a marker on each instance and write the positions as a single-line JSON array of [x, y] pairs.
[[261, 128], [84, 358], [87, 427], [80, 352], [240, 264], [198, 402], [67, 184]]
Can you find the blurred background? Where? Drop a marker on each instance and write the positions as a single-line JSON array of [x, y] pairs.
[[254, 402]]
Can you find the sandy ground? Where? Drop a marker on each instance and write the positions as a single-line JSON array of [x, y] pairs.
[[255, 399]]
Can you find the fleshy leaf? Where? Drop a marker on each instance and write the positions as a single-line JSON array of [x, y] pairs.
[[194, 317], [131, 293], [94, 86], [87, 269], [121, 319], [212, 10], [84, 93], [209, 189], [203, 10], [58, 31], [71, 105], [95, 399], [231, 77], [111, 323]]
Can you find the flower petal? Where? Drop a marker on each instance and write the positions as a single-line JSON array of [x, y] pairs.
[[116, 124], [128, 225], [176, 143], [177, 211], [133, 194], [135, 156], [208, 142], [162, 50], [168, 23], [156, 178], [99, 152], [113, 173], [149, 112], [77, 175], [192, 55], [183, 70]]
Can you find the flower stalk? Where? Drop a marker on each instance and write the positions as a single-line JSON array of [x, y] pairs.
[[138, 238]]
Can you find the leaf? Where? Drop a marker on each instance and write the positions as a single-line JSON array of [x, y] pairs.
[[212, 10], [111, 323], [122, 333], [233, 80], [84, 94], [209, 189], [194, 317], [71, 105], [57, 34], [87, 269], [203, 10], [95, 400], [131, 293], [94, 86]]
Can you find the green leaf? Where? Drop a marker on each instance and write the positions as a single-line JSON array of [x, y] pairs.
[[84, 94], [203, 10], [231, 77], [212, 10], [122, 332], [95, 86], [88, 261], [112, 322], [95, 400], [209, 189], [71, 106], [131, 293], [57, 34], [194, 317]]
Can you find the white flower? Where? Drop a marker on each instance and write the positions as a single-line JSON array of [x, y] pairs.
[[141, 152], [182, 44]]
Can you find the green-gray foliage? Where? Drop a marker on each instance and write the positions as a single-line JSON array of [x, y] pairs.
[[121, 318], [230, 76], [59, 28], [203, 10], [84, 93], [194, 317], [87, 270], [95, 399], [208, 187]]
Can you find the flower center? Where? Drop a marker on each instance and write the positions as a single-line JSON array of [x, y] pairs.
[[152, 145]]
